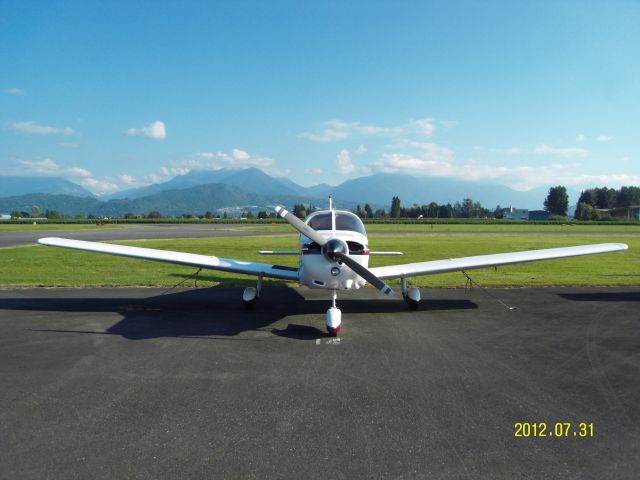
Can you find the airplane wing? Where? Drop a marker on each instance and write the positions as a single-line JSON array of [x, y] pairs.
[[493, 260], [180, 258]]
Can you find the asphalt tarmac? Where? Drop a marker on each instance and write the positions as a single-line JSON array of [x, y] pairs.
[[138, 232], [142, 383]]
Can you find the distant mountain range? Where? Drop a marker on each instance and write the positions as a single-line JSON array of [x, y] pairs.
[[251, 189], [251, 180], [11, 186]]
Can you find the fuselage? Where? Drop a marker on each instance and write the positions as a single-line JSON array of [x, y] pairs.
[[317, 270]]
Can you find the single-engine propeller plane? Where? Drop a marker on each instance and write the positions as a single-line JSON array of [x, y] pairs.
[[334, 255]]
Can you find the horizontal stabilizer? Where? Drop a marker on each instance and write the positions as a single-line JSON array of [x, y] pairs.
[[279, 252]]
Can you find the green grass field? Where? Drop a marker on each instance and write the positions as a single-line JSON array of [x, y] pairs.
[[49, 267], [465, 228]]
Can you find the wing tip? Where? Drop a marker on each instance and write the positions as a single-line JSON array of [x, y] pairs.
[[47, 240]]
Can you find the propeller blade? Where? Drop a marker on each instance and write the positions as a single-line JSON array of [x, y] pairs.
[[300, 226], [365, 273]]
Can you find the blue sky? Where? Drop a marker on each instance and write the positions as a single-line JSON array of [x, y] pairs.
[[118, 94]]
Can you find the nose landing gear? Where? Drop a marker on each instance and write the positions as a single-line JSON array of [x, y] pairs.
[[334, 317]]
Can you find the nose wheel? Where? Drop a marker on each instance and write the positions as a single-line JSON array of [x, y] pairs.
[[334, 316]]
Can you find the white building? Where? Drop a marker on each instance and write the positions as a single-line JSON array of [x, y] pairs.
[[515, 213]]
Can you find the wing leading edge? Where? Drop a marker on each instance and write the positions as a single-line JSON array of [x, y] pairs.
[[493, 260], [180, 258]]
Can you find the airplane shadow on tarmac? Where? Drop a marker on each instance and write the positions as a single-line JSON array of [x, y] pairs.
[[602, 296], [218, 312]]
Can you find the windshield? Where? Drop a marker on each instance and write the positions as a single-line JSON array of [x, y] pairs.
[[344, 221]]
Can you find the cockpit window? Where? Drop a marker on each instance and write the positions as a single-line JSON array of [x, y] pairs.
[[344, 221], [321, 221]]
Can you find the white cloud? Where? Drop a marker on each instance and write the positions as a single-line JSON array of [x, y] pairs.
[[610, 180], [238, 154], [423, 127], [32, 128], [427, 150], [174, 171], [428, 159], [155, 131], [78, 172], [337, 130], [47, 167], [99, 186], [343, 162], [16, 91], [153, 178], [314, 171], [581, 137], [604, 138], [328, 135], [236, 159], [361, 150], [561, 152], [127, 179], [544, 149]]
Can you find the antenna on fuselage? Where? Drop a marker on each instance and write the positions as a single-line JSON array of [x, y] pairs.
[[333, 215]]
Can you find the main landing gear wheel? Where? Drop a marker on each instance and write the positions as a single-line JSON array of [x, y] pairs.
[[250, 295], [411, 295]]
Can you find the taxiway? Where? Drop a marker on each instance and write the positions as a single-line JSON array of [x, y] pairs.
[[137, 232]]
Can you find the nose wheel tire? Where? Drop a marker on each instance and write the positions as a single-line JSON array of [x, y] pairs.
[[334, 317]]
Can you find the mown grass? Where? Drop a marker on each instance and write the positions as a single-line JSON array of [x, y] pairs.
[[48, 266], [437, 228]]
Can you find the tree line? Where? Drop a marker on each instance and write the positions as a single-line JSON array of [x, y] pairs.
[[594, 199], [465, 209]]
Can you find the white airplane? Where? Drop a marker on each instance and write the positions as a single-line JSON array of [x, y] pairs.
[[333, 254]]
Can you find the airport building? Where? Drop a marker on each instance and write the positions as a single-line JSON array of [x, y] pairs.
[[515, 213], [524, 214]]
